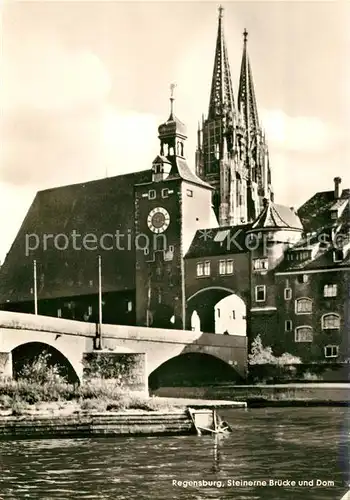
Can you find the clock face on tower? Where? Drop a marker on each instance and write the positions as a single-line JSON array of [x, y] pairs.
[[158, 220]]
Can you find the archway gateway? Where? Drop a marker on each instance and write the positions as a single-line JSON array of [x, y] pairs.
[[217, 310]]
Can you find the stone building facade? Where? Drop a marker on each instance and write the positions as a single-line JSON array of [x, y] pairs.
[[175, 245]]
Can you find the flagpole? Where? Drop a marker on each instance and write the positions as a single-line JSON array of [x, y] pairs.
[[100, 299], [35, 289]]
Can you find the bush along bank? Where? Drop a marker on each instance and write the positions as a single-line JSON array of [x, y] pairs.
[[40, 403], [266, 368]]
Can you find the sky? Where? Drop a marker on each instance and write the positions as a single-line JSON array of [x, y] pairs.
[[84, 86]]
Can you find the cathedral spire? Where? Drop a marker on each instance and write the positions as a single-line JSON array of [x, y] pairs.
[[246, 94], [221, 95]]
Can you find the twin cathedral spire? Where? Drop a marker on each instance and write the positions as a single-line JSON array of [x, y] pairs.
[[232, 153]]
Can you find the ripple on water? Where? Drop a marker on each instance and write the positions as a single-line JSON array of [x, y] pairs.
[[266, 443]]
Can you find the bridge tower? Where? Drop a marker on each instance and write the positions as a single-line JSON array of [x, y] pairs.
[[168, 212]]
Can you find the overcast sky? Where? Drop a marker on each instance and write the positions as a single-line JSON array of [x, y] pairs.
[[85, 86]]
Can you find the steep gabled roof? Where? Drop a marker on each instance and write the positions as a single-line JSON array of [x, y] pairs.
[[227, 240], [184, 171], [97, 208], [322, 260], [315, 213], [277, 216]]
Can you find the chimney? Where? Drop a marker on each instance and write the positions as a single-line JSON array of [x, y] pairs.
[[337, 182]]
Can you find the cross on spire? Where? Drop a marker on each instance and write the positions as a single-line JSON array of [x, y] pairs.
[[221, 10], [245, 35]]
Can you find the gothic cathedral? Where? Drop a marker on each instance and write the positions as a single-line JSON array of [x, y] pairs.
[[232, 154]]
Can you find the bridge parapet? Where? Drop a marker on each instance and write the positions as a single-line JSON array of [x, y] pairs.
[[74, 339], [22, 321]]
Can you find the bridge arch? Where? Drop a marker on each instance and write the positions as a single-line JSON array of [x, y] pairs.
[[217, 309], [192, 369], [25, 353]]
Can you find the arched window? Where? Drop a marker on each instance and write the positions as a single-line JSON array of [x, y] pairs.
[[330, 321], [303, 306], [303, 334]]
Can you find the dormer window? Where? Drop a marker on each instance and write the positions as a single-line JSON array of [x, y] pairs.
[[334, 214], [160, 168]]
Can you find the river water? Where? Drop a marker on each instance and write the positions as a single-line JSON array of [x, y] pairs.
[[305, 445]]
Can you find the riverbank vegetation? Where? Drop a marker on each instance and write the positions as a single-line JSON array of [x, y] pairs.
[[40, 386]]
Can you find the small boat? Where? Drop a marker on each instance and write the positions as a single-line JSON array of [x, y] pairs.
[[207, 421]]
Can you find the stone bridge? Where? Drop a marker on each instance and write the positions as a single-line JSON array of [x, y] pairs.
[[151, 349]]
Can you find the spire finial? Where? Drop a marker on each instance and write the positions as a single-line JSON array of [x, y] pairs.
[[245, 35], [221, 10], [172, 98]]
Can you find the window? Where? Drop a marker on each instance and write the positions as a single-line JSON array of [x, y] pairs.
[[334, 214], [218, 313], [225, 266], [331, 351], [303, 334], [303, 306], [189, 193], [59, 313], [260, 264], [288, 325], [222, 267], [233, 314], [91, 283], [303, 278], [158, 168], [151, 194], [90, 310], [260, 292], [203, 269], [165, 193], [129, 305], [229, 266], [287, 293], [200, 269], [330, 290], [330, 321]]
